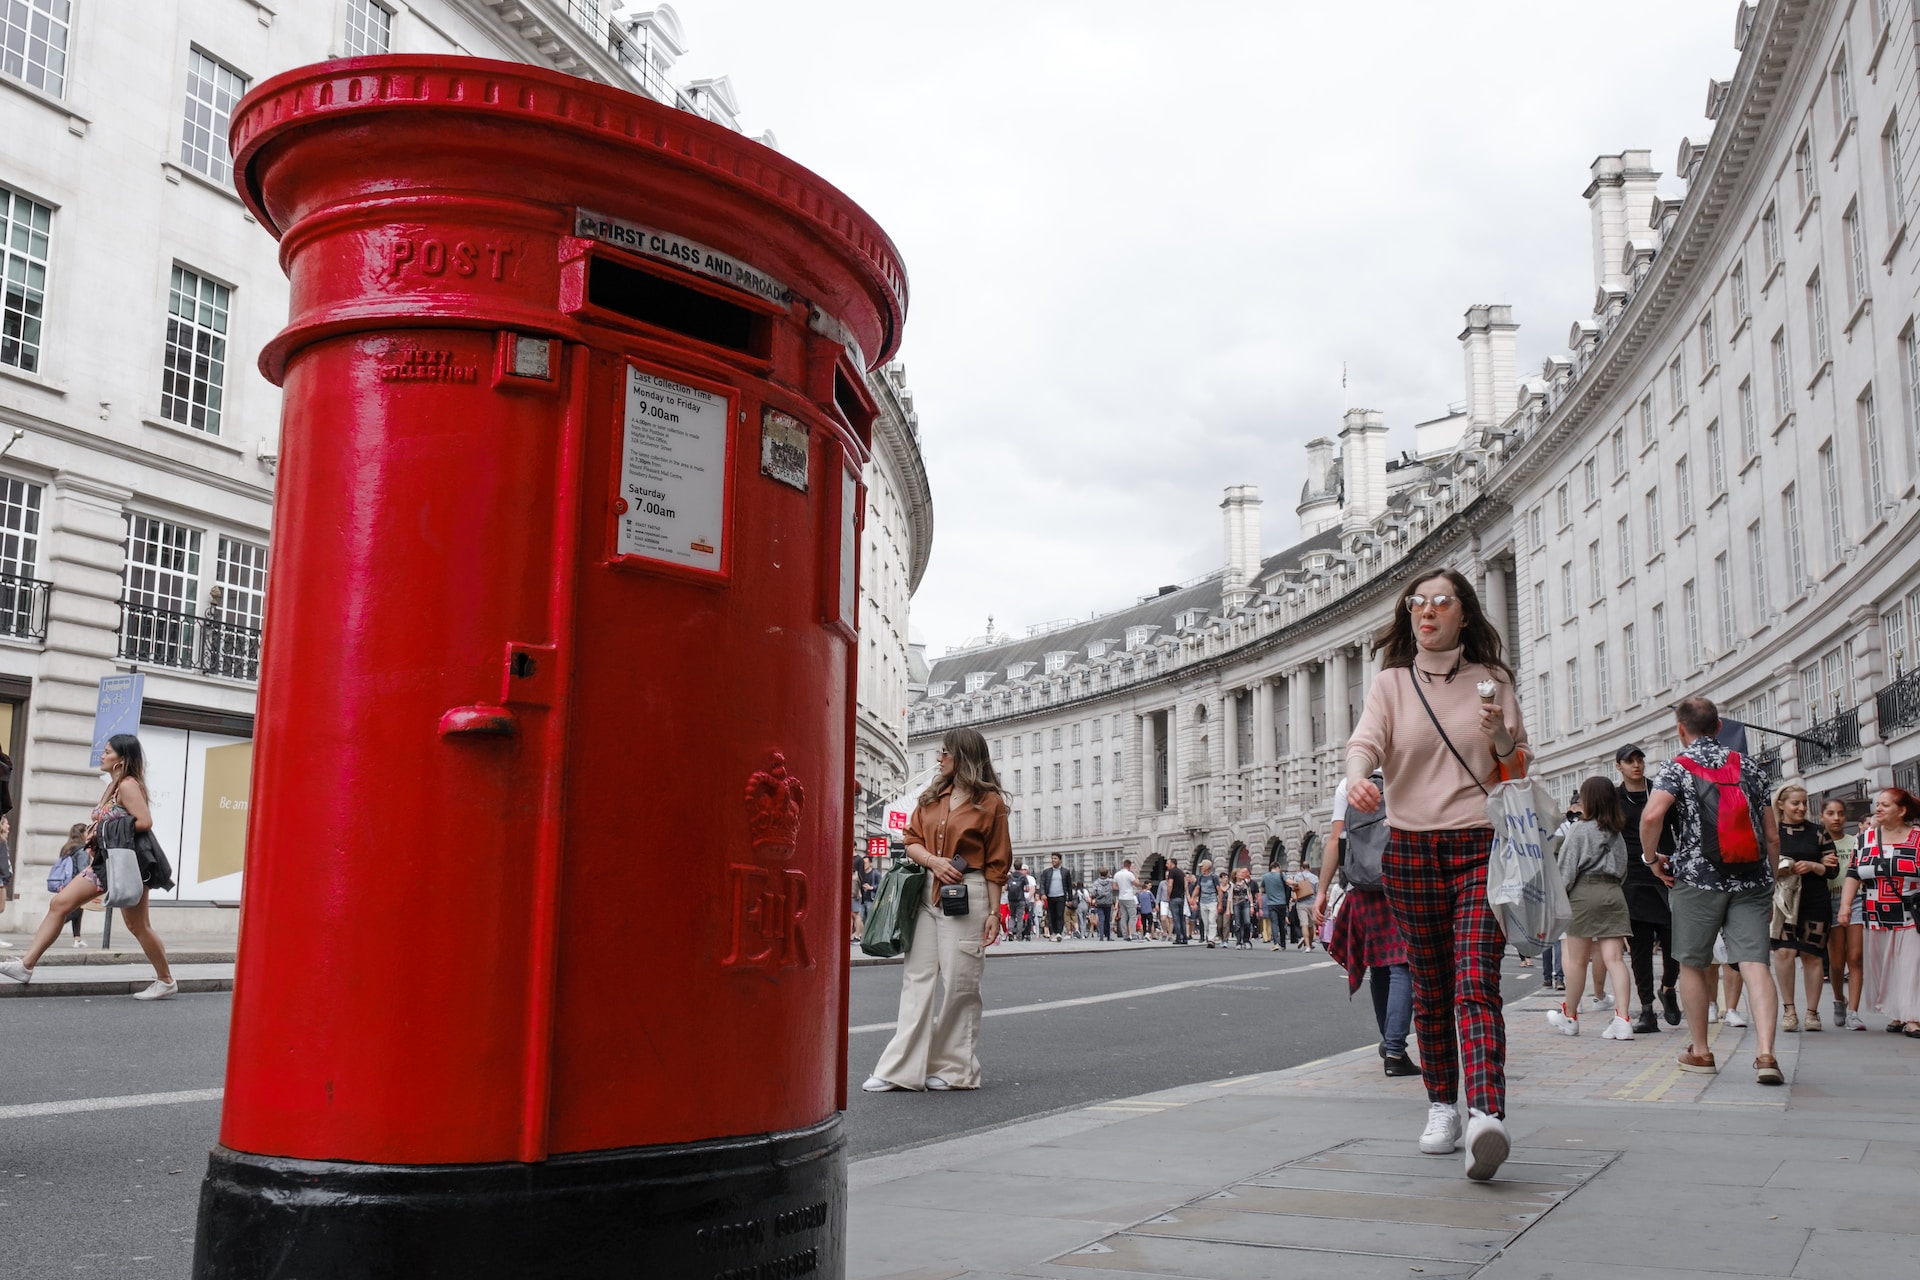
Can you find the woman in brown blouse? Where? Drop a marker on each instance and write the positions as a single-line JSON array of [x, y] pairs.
[[959, 834]]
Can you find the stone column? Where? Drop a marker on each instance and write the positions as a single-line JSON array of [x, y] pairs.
[[1339, 717], [1144, 771], [1493, 599], [1230, 732]]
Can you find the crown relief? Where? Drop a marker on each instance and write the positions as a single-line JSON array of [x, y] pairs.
[[773, 802]]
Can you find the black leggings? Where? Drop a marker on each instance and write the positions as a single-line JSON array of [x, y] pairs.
[[1645, 934]]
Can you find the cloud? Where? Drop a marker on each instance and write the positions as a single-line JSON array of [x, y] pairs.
[[1143, 239]]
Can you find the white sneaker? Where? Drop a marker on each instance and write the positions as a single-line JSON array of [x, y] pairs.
[[1442, 1135], [938, 1084], [158, 991], [1855, 1022], [875, 1084], [1559, 1021], [1618, 1029], [1713, 1013], [79, 942], [1594, 1003], [1734, 1018], [15, 970], [1487, 1145]]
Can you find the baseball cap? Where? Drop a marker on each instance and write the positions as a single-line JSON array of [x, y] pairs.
[[1631, 749]]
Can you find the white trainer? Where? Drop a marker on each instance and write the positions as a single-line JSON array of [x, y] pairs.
[[79, 942], [1854, 1021], [1593, 1004], [875, 1084], [1442, 1135], [15, 970], [158, 991], [1618, 1029], [1487, 1145], [1734, 1018], [1559, 1021], [1713, 1013], [938, 1084]]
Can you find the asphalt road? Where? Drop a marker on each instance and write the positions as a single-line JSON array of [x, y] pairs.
[[113, 1193]]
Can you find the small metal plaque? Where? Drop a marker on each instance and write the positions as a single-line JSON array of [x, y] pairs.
[[532, 357], [783, 449]]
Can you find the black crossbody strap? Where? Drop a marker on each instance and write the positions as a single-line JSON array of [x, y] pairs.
[[1413, 674]]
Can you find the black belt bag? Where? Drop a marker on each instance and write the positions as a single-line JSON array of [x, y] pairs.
[[953, 899]]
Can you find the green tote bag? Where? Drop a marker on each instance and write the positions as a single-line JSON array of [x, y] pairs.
[[896, 906]]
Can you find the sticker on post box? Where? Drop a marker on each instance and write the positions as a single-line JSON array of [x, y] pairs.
[[783, 449], [673, 473]]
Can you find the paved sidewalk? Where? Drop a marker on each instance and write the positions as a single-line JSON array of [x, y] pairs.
[[1623, 1168], [1068, 946], [114, 979]]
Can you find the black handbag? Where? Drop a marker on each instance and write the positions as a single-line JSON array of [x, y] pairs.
[[953, 899]]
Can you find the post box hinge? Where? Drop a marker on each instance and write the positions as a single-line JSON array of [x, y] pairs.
[[531, 675]]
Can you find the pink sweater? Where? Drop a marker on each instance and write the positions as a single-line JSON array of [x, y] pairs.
[[1427, 790]]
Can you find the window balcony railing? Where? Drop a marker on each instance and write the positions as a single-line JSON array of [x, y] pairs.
[[1899, 703], [211, 645], [1829, 741], [23, 606], [1770, 762]]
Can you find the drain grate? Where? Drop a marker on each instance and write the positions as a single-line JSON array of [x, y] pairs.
[[1366, 1209]]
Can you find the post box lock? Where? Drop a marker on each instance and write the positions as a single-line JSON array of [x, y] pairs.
[[530, 678]]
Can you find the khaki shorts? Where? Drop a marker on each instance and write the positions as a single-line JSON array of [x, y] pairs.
[[1701, 915]]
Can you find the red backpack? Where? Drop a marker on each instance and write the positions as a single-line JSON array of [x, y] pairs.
[[1729, 836]]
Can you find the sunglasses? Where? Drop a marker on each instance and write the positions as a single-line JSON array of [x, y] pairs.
[[1416, 603]]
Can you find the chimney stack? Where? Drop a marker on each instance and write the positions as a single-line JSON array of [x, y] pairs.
[[1363, 467], [1621, 200], [1488, 344], [1242, 510], [1319, 497]]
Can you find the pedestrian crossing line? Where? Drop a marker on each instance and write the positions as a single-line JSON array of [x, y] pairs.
[[70, 1106]]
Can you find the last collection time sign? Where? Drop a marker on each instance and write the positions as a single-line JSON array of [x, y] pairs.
[[673, 473]]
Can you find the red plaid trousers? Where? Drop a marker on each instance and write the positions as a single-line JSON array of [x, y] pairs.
[[1436, 883]]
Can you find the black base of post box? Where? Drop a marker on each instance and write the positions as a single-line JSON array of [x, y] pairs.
[[768, 1207]]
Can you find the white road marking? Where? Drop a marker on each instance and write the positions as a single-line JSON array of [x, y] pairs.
[[72, 1105], [1136, 992]]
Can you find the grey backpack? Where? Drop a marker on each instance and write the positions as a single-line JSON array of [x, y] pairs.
[[1366, 838]]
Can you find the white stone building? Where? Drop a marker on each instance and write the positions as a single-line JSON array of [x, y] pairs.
[[136, 490], [1713, 491]]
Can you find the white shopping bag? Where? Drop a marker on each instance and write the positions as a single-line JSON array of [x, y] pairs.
[[1524, 886]]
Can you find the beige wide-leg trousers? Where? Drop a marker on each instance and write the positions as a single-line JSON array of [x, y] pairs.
[[946, 950]]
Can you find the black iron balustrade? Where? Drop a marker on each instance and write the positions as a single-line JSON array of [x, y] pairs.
[[1771, 763], [1829, 741], [1899, 703], [211, 645], [23, 606]]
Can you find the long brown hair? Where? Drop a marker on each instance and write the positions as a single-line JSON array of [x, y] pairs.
[[1479, 641], [972, 767], [1601, 805]]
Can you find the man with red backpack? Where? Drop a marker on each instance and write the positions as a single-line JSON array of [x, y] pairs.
[[1725, 847]]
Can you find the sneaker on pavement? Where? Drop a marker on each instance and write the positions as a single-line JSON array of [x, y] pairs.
[[1701, 1064], [875, 1084], [1789, 1020], [1713, 1013], [1854, 1021], [158, 991], [20, 973], [1559, 1021], [1399, 1064], [1442, 1134], [1487, 1145], [1670, 1006], [1839, 1013], [1766, 1069], [79, 942], [938, 1084], [1647, 1023], [1618, 1029], [1734, 1018], [1593, 1003]]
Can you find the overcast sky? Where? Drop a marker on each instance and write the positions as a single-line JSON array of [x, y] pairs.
[[1143, 239]]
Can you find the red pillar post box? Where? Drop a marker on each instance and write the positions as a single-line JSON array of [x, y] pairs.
[[543, 969]]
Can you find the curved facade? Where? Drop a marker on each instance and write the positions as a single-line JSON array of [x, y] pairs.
[[1713, 491]]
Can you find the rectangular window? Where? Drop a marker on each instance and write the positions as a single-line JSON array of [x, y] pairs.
[[1574, 701], [1076, 773], [1097, 762], [1016, 826], [1805, 179], [33, 42], [1683, 497], [1716, 458], [1056, 738], [1709, 347], [161, 592], [1099, 723], [1742, 307], [1535, 529], [1038, 830], [1893, 624], [1056, 776], [1796, 540], [1019, 779], [1544, 686], [1563, 505], [1892, 163], [1646, 421], [1630, 655], [1116, 766], [212, 90], [1540, 608], [1782, 374], [1036, 779], [1623, 531], [1566, 592], [1770, 235], [1757, 559], [1723, 581], [1910, 376], [1830, 501], [1099, 827], [1690, 604], [369, 29], [1620, 450], [1858, 282], [1662, 672], [19, 557], [1590, 477], [1078, 830], [1817, 319], [230, 644], [1076, 733], [193, 380], [1842, 93], [1870, 436], [1653, 521], [1056, 822], [1602, 681], [1810, 690], [26, 231], [1677, 383], [1019, 741], [1749, 422]]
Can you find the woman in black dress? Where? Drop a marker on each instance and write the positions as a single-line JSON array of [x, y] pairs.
[[1807, 855]]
